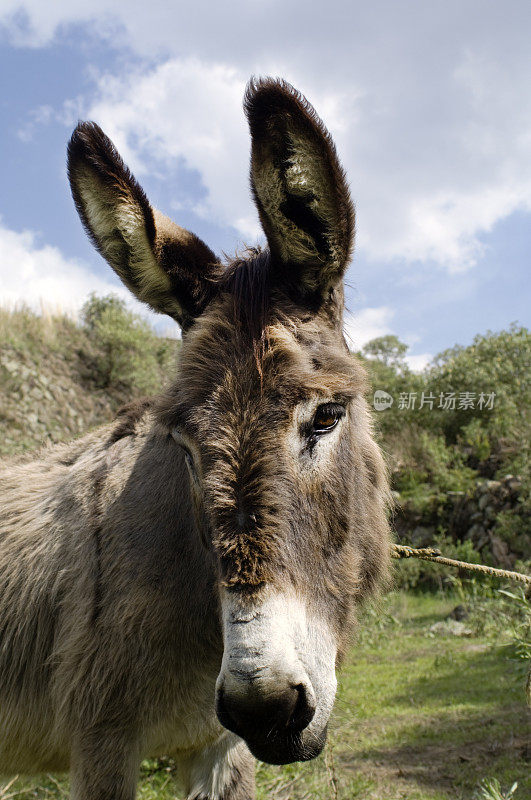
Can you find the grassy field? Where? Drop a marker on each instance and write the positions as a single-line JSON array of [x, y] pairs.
[[419, 716]]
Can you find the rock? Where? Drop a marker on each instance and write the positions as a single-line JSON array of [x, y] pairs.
[[500, 551], [475, 532], [481, 541], [11, 366], [483, 501], [458, 613], [450, 627]]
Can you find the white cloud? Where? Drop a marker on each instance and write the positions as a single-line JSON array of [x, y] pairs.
[[32, 23], [367, 324], [37, 117], [155, 126], [42, 277], [418, 362], [151, 119], [429, 104], [370, 323]]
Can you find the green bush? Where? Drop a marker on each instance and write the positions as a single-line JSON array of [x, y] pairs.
[[435, 450], [434, 464], [127, 352], [414, 574], [494, 362], [475, 438]]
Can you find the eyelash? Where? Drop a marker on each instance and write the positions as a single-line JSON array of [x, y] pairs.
[[334, 410]]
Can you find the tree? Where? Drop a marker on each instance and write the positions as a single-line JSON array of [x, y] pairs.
[[127, 351], [387, 349]]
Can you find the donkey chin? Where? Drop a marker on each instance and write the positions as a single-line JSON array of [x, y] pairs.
[[277, 682]]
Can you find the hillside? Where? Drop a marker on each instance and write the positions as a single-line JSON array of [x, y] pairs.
[[459, 469], [60, 378]]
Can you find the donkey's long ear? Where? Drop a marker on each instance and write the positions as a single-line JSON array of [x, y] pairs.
[[161, 263], [299, 187]]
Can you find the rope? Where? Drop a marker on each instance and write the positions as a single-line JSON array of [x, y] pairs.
[[432, 554]]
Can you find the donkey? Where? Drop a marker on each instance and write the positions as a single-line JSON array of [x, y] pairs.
[[183, 581]]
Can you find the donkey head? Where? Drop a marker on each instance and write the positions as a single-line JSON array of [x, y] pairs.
[[289, 487]]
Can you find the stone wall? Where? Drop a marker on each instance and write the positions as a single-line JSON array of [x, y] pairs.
[[468, 516]]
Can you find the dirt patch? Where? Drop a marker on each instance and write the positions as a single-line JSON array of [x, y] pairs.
[[449, 769], [480, 647]]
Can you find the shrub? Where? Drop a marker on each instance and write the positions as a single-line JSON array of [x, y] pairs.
[[127, 352], [412, 573], [490, 789]]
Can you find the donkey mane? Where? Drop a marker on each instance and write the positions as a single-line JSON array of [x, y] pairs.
[[247, 279]]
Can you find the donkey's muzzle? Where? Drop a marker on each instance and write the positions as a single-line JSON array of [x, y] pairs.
[[291, 710], [276, 685], [271, 723]]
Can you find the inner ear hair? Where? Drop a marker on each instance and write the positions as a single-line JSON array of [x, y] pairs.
[[160, 262], [299, 185]]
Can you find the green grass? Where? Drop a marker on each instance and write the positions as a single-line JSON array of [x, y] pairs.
[[418, 717]]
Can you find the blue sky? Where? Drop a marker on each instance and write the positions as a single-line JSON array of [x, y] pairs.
[[429, 104]]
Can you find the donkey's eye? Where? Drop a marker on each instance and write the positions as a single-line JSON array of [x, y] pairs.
[[326, 417]]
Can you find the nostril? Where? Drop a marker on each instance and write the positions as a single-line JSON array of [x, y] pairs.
[[304, 710], [251, 715]]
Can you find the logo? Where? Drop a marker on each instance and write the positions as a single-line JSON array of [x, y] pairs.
[[382, 400]]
